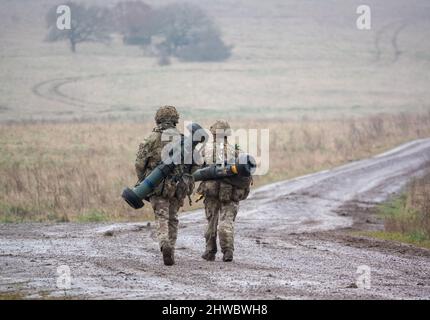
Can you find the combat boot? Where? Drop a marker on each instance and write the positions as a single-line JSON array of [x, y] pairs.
[[228, 256], [168, 255], [209, 256]]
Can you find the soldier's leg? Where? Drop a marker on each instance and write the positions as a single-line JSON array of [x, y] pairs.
[[161, 212], [212, 206], [160, 206], [228, 212], [173, 221]]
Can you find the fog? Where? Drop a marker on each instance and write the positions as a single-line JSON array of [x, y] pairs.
[[288, 58]]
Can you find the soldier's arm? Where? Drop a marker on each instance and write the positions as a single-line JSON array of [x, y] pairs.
[[142, 158]]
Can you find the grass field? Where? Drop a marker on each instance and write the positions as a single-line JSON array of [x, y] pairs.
[[290, 59], [64, 172]]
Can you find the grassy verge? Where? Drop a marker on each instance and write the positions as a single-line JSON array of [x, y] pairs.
[[12, 295], [407, 217], [40, 295], [416, 240]]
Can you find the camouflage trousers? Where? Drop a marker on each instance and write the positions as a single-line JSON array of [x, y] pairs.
[[166, 219], [220, 216]]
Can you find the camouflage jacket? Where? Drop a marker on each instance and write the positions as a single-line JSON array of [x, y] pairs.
[[221, 154], [149, 156]]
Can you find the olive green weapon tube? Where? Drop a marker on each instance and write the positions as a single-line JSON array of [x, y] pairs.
[[244, 168], [135, 196]]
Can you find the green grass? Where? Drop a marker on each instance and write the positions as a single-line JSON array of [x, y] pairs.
[[402, 223], [93, 215], [11, 213], [394, 208], [416, 239], [14, 213]]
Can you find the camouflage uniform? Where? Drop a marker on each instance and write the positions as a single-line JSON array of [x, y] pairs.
[[168, 197], [221, 197]]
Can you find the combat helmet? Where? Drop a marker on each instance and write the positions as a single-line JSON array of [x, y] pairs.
[[220, 126], [167, 114]]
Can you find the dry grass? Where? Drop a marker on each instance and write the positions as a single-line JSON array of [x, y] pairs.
[[301, 147], [76, 171], [419, 201]]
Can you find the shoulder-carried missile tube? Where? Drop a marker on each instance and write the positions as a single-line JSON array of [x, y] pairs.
[[135, 196], [244, 168]]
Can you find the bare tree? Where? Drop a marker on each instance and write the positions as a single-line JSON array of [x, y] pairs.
[[179, 30], [88, 24], [190, 34], [134, 20]]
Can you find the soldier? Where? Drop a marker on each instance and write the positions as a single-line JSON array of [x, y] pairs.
[[222, 196], [168, 197]]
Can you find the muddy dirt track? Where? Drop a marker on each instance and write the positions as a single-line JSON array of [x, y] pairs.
[[292, 241]]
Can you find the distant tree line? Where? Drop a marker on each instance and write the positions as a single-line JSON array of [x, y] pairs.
[[180, 30]]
